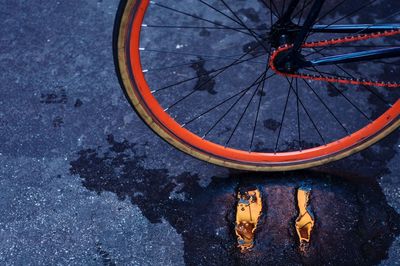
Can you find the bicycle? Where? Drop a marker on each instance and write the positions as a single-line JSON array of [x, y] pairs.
[[262, 85]]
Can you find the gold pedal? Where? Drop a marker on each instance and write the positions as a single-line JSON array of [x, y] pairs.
[[305, 221], [248, 211]]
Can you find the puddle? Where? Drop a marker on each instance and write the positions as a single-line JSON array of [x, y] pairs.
[[354, 225], [248, 211], [306, 220]]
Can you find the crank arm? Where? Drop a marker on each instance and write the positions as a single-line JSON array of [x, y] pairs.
[[354, 57]]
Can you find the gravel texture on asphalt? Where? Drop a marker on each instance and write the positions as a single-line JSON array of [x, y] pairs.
[[83, 181]]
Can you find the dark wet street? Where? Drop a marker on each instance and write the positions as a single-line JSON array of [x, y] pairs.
[[83, 181]]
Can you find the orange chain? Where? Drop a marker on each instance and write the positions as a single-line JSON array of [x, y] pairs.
[[347, 39]]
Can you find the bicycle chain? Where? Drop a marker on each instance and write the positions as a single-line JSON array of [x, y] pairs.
[[332, 79]]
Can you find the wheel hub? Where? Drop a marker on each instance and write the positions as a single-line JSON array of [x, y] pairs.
[[285, 33], [289, 61]]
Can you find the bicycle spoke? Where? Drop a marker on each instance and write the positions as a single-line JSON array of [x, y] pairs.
[[257, 115], [341, 93], [224, 101], [366, 87], [197, 17], [327, 107], [303, 34], [330, 11], [352, 13], [245, 109], [359, 32], [232, 106], [272, 3], [258, 109], [198, 27], [199, 61], [307, 113], [270, 9], [283, 7], [283, 116], [199, 76], [271, 17], [301, 11], [244, 25], [220, 12], [298, 115], [191, 54], [209, 79]]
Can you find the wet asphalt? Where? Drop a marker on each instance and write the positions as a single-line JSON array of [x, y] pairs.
[[84, 182]]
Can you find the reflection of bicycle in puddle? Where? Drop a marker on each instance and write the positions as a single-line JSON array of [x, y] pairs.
[[313, 220], [248, 211]]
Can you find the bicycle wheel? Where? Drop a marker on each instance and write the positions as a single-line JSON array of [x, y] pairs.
[[198, 73]]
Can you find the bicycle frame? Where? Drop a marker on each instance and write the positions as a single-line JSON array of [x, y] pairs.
[[309, 26]]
